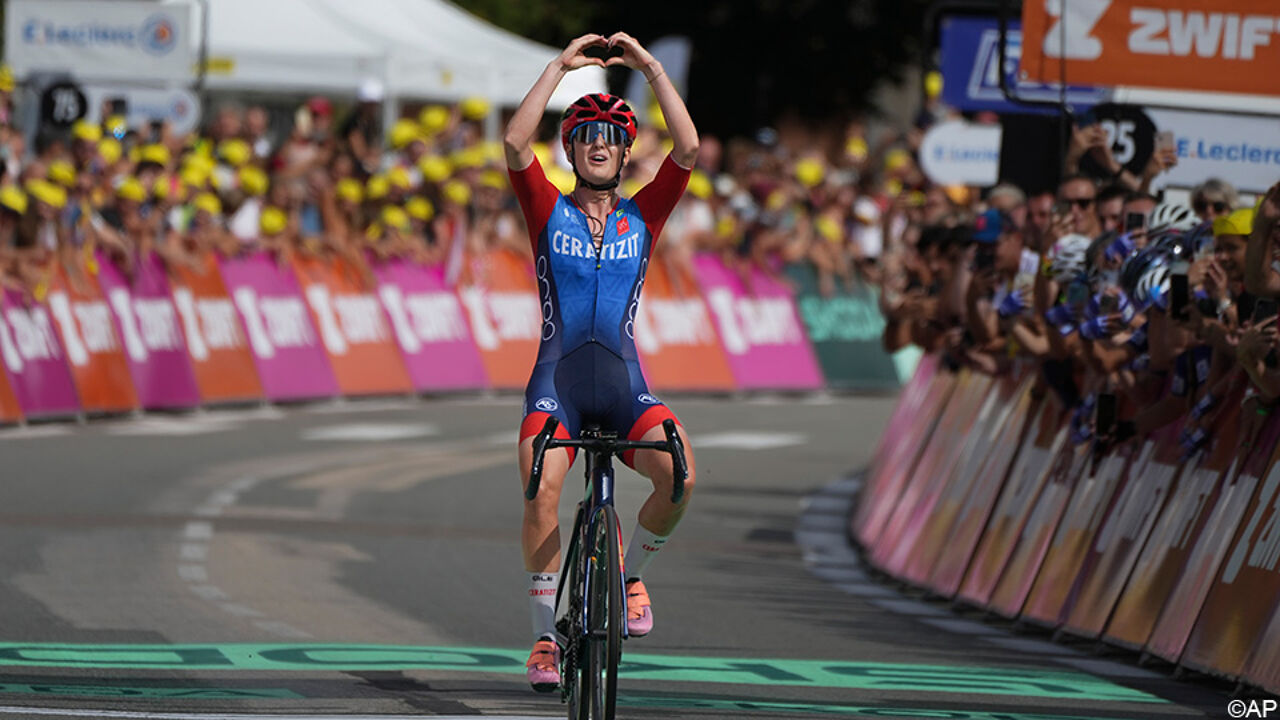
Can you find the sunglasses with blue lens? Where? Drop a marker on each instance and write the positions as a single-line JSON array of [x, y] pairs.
[[586, 133]]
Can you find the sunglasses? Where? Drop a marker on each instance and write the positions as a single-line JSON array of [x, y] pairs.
[[1081, 203], [1201, 206], [587, 132]]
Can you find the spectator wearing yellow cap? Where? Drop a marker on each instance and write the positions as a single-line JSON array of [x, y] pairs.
[[85, 137], [49, 231], [1230, 239]]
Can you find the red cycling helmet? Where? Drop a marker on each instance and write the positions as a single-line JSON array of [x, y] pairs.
[[594, 107]]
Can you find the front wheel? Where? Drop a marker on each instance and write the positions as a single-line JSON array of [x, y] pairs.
[[605, 615]]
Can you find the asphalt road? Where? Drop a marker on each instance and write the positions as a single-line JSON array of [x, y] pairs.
[[361, 559]]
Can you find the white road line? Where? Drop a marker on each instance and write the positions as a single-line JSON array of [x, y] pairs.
[[140, 715], [747, 440], [198, 530], [239, 610], [194, 551], [366, 432], [209, 592]]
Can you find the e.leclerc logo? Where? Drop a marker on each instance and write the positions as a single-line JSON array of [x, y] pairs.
[[158, 34]]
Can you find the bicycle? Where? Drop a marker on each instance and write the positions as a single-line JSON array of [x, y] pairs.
[[594, 623]]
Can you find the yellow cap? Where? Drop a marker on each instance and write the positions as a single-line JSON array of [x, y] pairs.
[[856, 148], [272, 221], [896, 159], [1239, 222], [474, 108], [809, 171], [194, 177], [377, 187], [827, 228], [131, 189], [435, 169], [6, 78], [700, 185], [893, 187], [399, 178], [495, 179], [164, 188], [420, 208], [208, 202], [724, 226], [456, 191], [86, 131], [933, 84], [110, 151], [374, 231], [63, 173], [117, 125], [48, 193], [350, 189], [155, 153], [253, 181], [433, 119], [403, 132], [470, 157], [200, 162], [630, 187], [235, 152], [12, 197], [394, 216]]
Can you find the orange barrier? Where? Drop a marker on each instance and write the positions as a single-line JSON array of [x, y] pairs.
[[353, 327], [966, 507], [676, 337], [9, 410], [95, 354], [499, 291], [1169, 545], [220, 355]]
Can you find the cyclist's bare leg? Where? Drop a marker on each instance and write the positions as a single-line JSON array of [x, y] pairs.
[[658, 514], [540, 532]]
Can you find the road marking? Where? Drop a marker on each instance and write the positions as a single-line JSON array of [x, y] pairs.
[[312, 657], [877, 711], [123, 692], [171, 426], [369, 432], [747, 440], [27, 432]]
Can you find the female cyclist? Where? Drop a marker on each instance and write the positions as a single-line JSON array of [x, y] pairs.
[[591, 250]]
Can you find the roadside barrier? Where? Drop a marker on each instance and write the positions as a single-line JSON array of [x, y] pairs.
[[104, 336], [975, 494]]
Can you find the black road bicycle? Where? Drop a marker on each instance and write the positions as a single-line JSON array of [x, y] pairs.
[[595, 618]]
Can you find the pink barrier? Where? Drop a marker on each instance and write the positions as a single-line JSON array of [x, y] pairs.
[[34, 358], [291, 361], [761, 332], [430, 327], [152, 334]]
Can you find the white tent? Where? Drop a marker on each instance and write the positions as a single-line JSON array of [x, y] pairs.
[[418, 49]]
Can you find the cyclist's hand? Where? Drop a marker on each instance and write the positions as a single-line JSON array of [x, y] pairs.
[[633, 55], [572, 58]]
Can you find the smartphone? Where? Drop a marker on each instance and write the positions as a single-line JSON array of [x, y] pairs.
[[118, 106], [985, 259], [1134, 221], [1264, 308], [1179, 295], [1104, 418], [156, 131], [1086, 118], [1164, 140], [1077, 293]]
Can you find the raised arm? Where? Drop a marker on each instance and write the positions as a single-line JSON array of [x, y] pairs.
[[518, 142], [684, 135], [1258, 276]]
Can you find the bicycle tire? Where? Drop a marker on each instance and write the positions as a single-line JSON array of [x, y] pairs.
[[605, 615]]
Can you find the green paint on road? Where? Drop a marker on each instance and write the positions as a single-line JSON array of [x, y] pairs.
[[147, 693], [1020, 682], [688, 703]]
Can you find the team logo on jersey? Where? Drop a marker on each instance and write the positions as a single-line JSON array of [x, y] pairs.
[[623, 224], [648, 399], [546, 404]]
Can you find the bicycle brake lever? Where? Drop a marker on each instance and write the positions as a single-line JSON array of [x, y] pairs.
[[540, 442], [679, 465]]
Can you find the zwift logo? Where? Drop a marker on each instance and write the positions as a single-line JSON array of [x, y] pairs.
[[157, 35]]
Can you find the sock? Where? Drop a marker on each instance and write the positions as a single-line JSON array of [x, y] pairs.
[[542, 603], [643, 548]]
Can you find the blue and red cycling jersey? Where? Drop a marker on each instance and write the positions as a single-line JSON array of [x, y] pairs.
[[588, 370]]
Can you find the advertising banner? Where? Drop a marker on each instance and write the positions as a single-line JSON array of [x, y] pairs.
[[760, 330], [154, 343], [1244, 594], [919, 407], [101, 39], [95, 354], [34, 358], [499, 293], [1242, 149], [676, 337], [971, 76], [10, 412], [1026, 478], [1129, 519], [1169, 638], [1214, 45], [291, 362], [845, 329], [956, 152], [1023, 567], [942, 449], [216, 341], [1176, 531], [353, 327], [965, 508], [429, 326]]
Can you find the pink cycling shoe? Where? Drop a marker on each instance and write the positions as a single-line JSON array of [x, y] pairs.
[[639, 612], [543, 668]]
